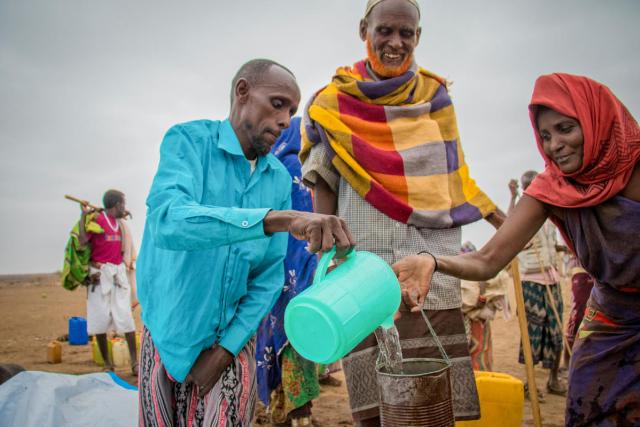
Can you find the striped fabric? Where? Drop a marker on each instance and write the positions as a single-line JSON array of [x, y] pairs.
[[396, 142], [165, 402]]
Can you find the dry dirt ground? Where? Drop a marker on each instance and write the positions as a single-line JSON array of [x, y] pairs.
[[34, 310]]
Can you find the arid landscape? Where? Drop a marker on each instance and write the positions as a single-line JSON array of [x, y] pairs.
[[34, 310]]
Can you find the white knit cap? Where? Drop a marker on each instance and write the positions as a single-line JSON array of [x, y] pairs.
[[373, 3]]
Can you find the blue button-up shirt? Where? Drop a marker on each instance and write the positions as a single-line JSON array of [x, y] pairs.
[[207, 273]]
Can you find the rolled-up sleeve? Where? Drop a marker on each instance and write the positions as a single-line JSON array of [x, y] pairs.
[[263, 289], [176, 220], [318, 164]]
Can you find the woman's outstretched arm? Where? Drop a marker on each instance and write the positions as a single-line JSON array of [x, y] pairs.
[[414, 272], [521, 225]]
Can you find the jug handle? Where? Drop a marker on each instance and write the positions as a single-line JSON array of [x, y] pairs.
[[323, 265]]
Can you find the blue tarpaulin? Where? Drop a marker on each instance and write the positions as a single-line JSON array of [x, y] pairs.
[[47, 399]]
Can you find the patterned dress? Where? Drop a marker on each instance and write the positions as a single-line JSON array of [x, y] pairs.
[[604, 386]]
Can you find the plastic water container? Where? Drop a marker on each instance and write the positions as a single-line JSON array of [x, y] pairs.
[[120, 353], [501, 401], [328, 319], [78, 331], [54, 352]]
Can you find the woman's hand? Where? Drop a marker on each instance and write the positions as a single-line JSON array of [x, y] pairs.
[[414, 274]]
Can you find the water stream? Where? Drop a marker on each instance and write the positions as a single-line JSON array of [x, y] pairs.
[[390, 356]]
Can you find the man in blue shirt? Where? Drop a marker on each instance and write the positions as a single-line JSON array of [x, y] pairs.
[[211, 261]]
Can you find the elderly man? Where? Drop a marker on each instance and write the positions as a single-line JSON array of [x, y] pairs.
[[381, 148], [211, 262]]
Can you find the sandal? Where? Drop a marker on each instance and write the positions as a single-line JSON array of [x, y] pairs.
[[330, 381], [541, 398], [558, 390], [300, 422]]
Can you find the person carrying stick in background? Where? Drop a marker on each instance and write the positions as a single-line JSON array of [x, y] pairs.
[[541, 290], [109, 290]]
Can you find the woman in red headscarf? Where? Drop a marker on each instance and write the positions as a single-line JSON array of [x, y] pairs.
[[591, 189]]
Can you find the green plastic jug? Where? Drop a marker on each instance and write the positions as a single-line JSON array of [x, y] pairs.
[[328, 319]]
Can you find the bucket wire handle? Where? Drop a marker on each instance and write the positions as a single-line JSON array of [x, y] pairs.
[[435, 337]]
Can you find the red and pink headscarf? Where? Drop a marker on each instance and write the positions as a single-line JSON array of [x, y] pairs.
[[611, 142]]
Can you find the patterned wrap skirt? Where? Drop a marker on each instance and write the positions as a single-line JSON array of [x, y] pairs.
[[604, 375], [545, 331], [165, 402]]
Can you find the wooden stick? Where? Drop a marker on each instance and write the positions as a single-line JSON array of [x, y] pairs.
[[526, 344], [83, 202], [94, 207]]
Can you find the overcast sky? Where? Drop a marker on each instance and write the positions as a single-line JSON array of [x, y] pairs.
[[88, 88]]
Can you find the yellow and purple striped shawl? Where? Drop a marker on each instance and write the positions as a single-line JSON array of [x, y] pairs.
[[395, 141]]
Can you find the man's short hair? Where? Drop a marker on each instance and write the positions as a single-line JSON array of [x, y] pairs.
[[527, 178], [112, 198], [253, 71], [529, 175]]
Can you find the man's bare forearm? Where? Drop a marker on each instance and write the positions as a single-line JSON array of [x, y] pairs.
[[326, 201], [82, 235], [276, 221], [496, 218], [512, 204], [321, 231]]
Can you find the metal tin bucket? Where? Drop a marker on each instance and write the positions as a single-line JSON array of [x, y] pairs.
[[420, 396]]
